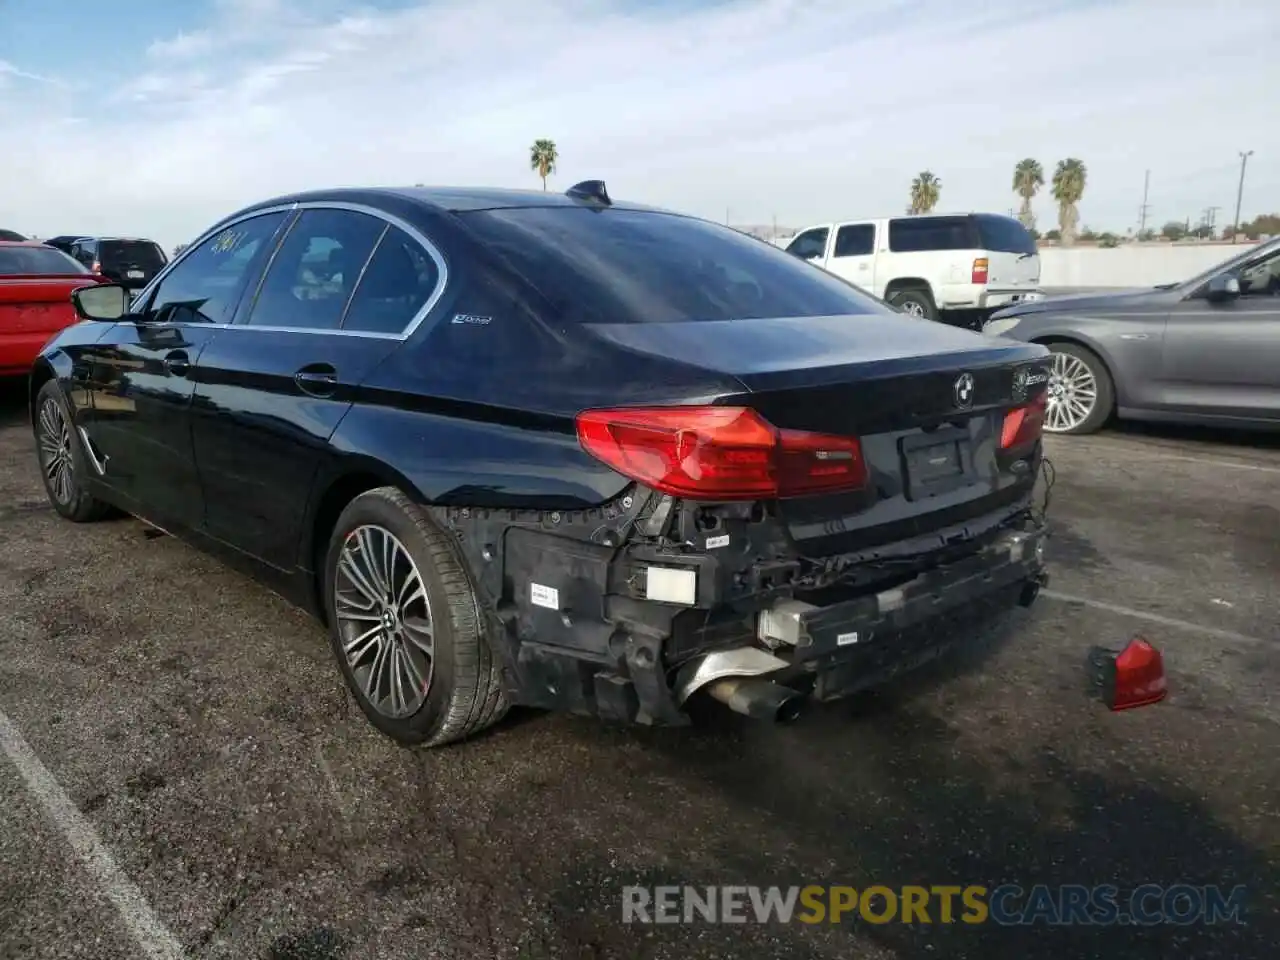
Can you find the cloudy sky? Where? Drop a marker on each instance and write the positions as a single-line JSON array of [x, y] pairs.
[[155, 117]]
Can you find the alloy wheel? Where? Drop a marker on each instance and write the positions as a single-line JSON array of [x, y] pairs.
[[55, 452], [912, 307], [1073, 393], [384, 621]]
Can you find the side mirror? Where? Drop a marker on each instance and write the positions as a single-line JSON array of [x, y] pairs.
[[104, 302], [1222, 288]]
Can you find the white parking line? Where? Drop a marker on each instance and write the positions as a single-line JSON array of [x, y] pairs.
[[1186, 625], [151, 935]]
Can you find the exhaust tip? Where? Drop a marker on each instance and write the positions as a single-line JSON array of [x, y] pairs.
[[756, 698], [790, 709]]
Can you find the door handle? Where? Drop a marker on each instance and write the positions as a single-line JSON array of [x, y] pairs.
[[177, 363], [317, 379]]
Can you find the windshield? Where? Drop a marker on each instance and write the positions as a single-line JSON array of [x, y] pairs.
[[632, 266], [37, 261]]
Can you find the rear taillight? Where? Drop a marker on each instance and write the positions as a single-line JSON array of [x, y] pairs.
[[97, 267], [979, 274], [1023, 426], [720, 453]]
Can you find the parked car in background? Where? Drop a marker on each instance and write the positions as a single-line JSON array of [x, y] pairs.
[[64, 242], [520, 447], [936, 266], [11, 236], [35, 300], [1205, 351], [129, 261]]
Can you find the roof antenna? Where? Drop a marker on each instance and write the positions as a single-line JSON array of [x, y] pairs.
[[593, 190]]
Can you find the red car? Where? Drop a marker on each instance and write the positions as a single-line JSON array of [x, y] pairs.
[[35, 300]]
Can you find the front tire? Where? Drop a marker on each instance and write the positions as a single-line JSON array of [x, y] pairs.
[[62, 459], [1081, 394], [405, 624]]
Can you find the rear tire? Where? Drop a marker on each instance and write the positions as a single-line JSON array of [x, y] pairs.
[[1081, 394], [63, 462], [915, 301], [391, 632]]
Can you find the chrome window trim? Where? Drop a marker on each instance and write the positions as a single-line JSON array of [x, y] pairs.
[[442, 281]]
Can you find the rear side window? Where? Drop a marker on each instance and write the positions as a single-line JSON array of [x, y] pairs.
[[131, 254], [314, 272], [632, 266], [1004, 234], [919, 234], [855, 240], [37, 261], [398, 281]]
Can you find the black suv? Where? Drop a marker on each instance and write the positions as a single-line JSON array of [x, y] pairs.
[[129, 261]]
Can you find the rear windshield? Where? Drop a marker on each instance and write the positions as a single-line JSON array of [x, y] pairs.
[[37, 261], [1004, 234], [630, 266], [138, 254]]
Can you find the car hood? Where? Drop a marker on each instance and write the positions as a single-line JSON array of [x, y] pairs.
[[1087, 302]]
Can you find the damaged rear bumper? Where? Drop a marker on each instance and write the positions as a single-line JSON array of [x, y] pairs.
[[616, 665]]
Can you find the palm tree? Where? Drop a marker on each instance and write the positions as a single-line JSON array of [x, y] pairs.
[[1028, 178], [542, 159], [924, 192], [1068, 188]]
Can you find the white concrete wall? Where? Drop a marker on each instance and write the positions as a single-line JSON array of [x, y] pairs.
[[1136, 265]]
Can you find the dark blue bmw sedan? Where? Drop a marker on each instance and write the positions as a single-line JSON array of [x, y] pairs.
[[556, 450]]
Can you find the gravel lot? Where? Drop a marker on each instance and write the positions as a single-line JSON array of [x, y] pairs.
[[198, 727]]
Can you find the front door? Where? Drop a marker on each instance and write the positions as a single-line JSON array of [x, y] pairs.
[[140, 375], [272, 390], [1224, 358]]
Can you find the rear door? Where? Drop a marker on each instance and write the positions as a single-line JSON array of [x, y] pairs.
[[1013, 259], [336, 300], [853, 256], [1224, 358]]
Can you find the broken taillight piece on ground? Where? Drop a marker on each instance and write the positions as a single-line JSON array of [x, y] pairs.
[[1134, 677]]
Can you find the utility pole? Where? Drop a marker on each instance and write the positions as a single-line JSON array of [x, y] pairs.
[[1235, 224], [1144, 209]]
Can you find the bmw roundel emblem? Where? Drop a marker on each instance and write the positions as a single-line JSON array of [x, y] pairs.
[[964, 391]]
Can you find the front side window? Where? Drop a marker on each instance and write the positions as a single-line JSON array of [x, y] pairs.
[[315, 271], [1260, 277], [633, 266], [810, 244], [206, 286]]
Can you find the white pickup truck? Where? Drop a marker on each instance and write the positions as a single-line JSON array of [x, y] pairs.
[[928, 264]]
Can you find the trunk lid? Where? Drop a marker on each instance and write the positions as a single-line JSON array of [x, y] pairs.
[[927, 402]]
